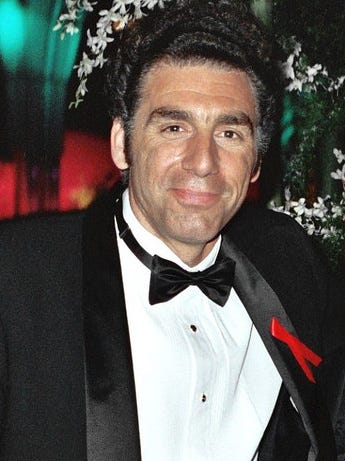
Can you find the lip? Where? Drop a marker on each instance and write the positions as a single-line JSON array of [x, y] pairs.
[[195, 198]]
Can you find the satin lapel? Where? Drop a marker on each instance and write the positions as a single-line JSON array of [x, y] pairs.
[[112, 423], [262, 305]]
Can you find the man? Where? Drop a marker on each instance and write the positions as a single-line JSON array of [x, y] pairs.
[[209, 332]]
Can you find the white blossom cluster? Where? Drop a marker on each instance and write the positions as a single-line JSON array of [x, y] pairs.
[[303, 77], [320, 217], [67, 21], [121, 12], [339, 173], [324, 218]]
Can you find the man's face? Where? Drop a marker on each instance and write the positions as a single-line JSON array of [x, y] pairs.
[[192, 153]]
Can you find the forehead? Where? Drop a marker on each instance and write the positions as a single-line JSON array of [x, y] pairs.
[[197, 87]]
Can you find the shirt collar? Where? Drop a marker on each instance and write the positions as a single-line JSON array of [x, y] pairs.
[[154, 245]]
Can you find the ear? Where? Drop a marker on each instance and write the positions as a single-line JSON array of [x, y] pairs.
[[117, 143], [256, 171]]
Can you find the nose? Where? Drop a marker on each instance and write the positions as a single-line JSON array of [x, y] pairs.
[[201, 156]]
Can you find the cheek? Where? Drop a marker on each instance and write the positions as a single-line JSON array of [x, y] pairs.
[[160, 163], [239, 170], [149, 171]]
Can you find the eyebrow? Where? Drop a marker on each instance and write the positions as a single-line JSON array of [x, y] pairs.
[[235, 118], [172, 114]]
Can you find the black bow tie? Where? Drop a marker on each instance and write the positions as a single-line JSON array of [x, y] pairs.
[[168, 279]]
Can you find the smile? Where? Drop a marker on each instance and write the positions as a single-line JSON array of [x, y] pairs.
[[195, 198]]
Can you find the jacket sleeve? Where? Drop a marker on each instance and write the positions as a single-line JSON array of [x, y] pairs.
[[3, 377], [332, 369]]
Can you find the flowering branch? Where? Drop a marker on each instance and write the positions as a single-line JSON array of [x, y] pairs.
[[323, 218], [305, 78], [116, 18]]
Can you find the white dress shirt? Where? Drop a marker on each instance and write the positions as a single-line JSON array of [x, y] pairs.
[[205, 384]]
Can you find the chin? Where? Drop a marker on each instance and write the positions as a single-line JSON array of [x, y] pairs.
[[193, 227], [196, 236]]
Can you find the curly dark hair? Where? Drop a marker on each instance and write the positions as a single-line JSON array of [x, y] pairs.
[[195, 31]]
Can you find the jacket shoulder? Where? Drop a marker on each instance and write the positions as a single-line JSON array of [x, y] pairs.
[[42, 229], [257, 230], [294, 267], [39, 251], [39, 221]]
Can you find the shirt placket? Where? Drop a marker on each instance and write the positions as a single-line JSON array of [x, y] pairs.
[[202, 339]]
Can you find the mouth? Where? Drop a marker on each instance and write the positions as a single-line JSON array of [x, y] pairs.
[[194, 197]]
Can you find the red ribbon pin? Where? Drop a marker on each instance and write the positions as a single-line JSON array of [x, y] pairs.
[[301, 352]]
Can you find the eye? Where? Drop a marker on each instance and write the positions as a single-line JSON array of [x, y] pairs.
[[172, 129], [229, 134], [234, 134]]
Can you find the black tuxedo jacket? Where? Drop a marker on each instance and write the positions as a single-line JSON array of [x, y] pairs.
[[66, 377]]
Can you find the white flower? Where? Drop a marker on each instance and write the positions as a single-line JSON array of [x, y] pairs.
[[281, 209], [339, 155], [85, 66], [337, 211], [295, 85], [288, 202], [338, 83], [110, 17], [276, 208], [88, 6], [82, 87], [313, 71], [100, 60], [71, 4], [71, 16], [339, 174], [152, 3], [138, 13], [287, 67], [334, 85], [310, 227], [341, 80], [302, 209], [328, 232], [71, 28], [121, 6], [98, 43], [297, 49], [287, 194], [320, 210], [57, 26]]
